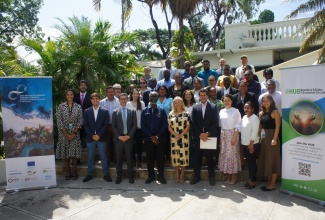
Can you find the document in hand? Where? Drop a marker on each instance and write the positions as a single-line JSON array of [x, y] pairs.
[[210, 144]]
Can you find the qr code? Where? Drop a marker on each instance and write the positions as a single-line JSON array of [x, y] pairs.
[[304, 169]]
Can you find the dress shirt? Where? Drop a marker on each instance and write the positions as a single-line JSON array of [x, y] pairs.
[[204, 106], [196, 96], [263, 86], [168, 83], [230, 118], [226, 91], [254, 87], [95, 113], [110, 105], [240, 73], [172, 70], [249, 129], [185, 75]]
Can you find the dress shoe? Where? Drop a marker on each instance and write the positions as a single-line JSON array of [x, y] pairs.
[[194, 181], [263, 188], [118, 180], [107, 178], [131, 180], [87, 178], [162, 180], [212, 182], [149, 180]]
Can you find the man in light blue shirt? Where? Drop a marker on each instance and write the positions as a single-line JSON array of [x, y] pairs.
[[167, 81]]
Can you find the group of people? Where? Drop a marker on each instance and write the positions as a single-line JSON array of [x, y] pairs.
[[172, 118]]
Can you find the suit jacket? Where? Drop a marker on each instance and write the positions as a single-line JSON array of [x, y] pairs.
[[221, 92], [238, 104], [99, 126], [117, 123], [209, 123], [188, 82], [87, 102]]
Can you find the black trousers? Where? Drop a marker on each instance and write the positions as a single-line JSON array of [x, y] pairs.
[[155, 152], [127, 148], [198, 160], [137, 149], [251, 160]]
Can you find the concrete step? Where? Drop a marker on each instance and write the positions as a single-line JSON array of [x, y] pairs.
[[141, 173]]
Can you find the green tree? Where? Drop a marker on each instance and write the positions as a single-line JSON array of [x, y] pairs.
[[313, 28], [266, 16], [18, 18], [181, 9]]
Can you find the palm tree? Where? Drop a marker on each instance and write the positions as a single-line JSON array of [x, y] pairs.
[[126, 10], [317, 22], [180, 9]]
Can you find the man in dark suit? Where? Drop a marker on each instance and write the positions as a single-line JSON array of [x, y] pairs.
[[124, 125], [82, 98], [242, 97], [152, 85], [227, 89], [96, 121], [205, 119], [189, 82], [154, 126], [222, 63]]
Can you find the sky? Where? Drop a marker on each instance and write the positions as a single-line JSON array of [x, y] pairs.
[[111, 11]]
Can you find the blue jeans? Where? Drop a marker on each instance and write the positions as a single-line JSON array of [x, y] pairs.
[[91, 147]]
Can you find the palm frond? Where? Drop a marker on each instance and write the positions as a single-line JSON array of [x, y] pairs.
[[310, 5], [97, 5]]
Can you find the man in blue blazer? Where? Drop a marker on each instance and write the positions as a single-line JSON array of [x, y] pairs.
[[205, 119], [124, 125], [96, 121]]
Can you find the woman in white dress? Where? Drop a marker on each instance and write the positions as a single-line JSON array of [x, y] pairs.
[[229, 158]]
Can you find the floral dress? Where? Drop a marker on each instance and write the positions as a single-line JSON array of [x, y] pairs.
[[69, 119], [179, 149]]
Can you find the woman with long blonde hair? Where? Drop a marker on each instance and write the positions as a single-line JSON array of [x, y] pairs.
[[179, 126]]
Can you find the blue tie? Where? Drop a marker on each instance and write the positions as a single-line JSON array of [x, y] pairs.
[[125, 129]]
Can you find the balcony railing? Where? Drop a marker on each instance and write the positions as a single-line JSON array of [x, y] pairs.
[[268, 33]]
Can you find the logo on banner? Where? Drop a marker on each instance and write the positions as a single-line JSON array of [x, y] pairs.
[[12, 180], [48, 177], [31, 172], [31, 163]]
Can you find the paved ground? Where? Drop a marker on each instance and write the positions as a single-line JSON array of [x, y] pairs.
[[101, 200]]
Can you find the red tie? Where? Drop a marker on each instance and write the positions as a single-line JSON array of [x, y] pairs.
[[82, 98]]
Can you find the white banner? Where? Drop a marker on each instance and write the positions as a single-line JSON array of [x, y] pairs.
[[27, 118], [303, 131]]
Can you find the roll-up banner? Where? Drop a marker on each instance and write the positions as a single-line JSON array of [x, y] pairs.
[[303, 132], [27, 119]]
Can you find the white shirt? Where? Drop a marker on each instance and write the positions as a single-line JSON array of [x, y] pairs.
[[226, 91], [189, 109], [277, 97], [95, 113], [240, 73], [249, 129], [110, 106], [263, 86], [129, 105], [230, 119], [204, 106], [196, 96], [172, 70]]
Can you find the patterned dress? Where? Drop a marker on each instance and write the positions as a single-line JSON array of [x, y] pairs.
[[180, 148], [69, 119], [229, 158]]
